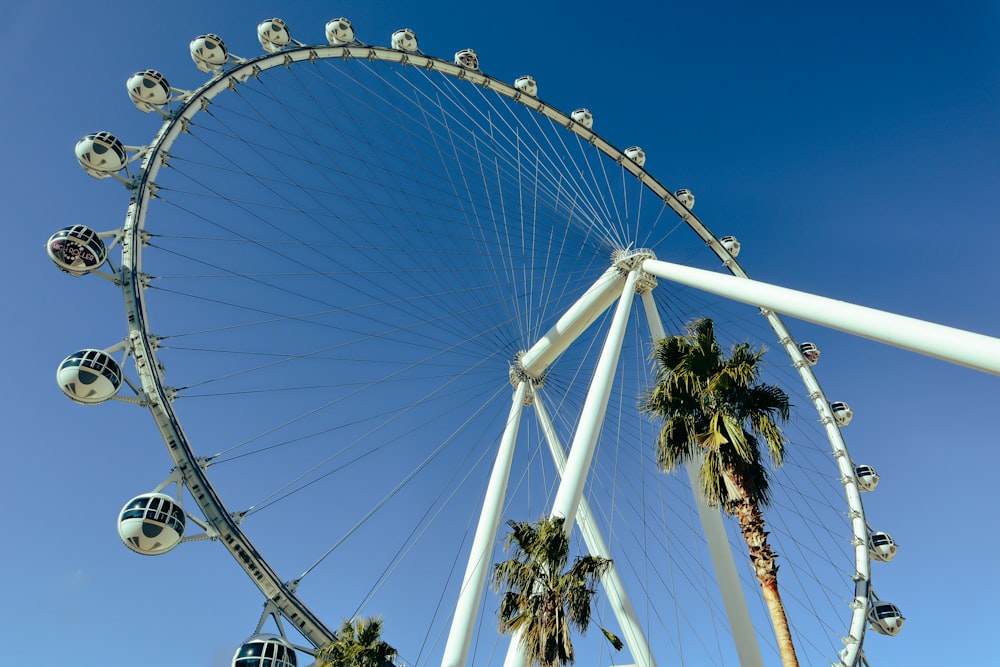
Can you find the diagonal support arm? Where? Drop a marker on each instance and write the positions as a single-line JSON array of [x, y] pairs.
[[935, 340]]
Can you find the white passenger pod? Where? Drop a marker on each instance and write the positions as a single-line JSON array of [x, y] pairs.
[[885, 618], [867, 477], [881, 546], [468, 59], [151, 524], [583, 117], [89, 376], [209, 52], [810, 352], [101, 154], [636, 154], [265, 651], [148, 90], [731, 245], [339, 32], [527, 85], [842, 413], [685, 197], [404, 40], [273, 35]]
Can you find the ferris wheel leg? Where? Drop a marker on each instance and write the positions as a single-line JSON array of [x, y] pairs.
[[585, 439], [733, 600], [624, 612], [935, 340], [463, 624], [595, 406]]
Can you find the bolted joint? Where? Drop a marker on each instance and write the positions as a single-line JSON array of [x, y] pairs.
[[644, 282], [529, 395], [627, 260]]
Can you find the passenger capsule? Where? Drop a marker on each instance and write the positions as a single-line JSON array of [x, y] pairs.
[[810, 352], [731, 245], [148, 90], [867, 477], [265, 651], [885, 618], [101, 154], [339, 32], [404, 40], [583, 117], [685, 197], [77, 250], [636, 154], [468, 59], [273, 35], [151, 524], [89, 376], [209, 52], [527, 85], [881, 546], [842, 413]]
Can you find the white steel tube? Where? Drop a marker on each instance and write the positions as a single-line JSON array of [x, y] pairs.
[[575, 321], [585, 440], [594, 408], [624, 612], [726, 575], [456, 651], [935, 340]]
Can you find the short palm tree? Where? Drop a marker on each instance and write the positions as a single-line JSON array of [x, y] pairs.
[[716, 412], [357, 644], [541, 601]]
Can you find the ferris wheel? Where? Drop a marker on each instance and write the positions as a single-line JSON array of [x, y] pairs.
[[389, 301]]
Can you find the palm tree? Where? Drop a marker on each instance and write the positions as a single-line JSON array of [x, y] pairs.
[[357, 644], [716, 412], [541, 602]]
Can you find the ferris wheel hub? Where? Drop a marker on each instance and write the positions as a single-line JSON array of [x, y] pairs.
[[519, 374]]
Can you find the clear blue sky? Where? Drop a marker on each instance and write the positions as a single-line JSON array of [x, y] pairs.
[[854, 150]]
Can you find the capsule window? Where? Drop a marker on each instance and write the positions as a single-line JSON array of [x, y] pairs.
[[251, 649]]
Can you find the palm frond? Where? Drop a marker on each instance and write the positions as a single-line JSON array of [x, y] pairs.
[[615, 640]]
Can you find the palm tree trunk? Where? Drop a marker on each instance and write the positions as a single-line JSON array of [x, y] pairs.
[[751, 521]]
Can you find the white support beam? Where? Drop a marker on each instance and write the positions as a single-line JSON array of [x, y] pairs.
[[935, 340], [621, 605], [585, 440], [456, 651], [595, 406]]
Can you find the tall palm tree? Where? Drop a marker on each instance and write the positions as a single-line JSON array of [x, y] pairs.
[[541, 601], [716, 412], [357, 644]]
